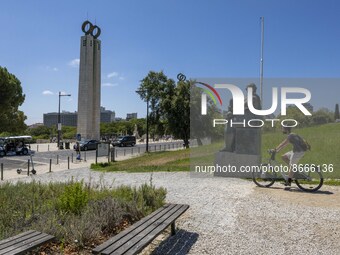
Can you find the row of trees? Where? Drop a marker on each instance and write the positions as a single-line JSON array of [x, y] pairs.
[[11, 97], [106, 129], [321, 116], [170, 104]]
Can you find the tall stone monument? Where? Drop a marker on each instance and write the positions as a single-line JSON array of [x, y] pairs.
[[88, 125]]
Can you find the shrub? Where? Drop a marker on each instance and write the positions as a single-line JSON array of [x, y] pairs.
[[74, 198], [149, 198], [77, 214]]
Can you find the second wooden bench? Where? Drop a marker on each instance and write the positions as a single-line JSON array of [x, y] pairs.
[[135, 238]]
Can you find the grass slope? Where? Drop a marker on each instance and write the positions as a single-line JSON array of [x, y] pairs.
[[324, 139], [325, 142], [168, 161]]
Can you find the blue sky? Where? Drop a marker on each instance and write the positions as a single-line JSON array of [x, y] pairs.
[[40, 43]]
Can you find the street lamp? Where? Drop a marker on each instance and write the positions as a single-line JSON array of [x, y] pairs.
[[59, 123], [147, 119]]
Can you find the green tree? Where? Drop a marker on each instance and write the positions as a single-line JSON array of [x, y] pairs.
[[336, 113], [11, 94], [171, 108], [68, 132], [201, 126], [322, 116], [41, 132], [122, 127], [295, 113], [154, 88], [175, 107]]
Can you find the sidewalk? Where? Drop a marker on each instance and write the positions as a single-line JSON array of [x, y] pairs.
[[43, 167]]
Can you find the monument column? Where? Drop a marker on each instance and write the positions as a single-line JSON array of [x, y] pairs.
[[88, 124]]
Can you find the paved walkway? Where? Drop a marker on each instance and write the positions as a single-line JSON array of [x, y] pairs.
[[20, 162], [232, 216]]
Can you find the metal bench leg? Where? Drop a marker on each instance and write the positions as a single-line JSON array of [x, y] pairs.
[[173, 228]]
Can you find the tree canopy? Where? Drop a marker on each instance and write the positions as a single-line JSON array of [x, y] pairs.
[[170, 106], [336, 113], [11, 97]]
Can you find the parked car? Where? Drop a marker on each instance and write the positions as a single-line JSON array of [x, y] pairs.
[[125, 141], [87, 145], [2, 151]]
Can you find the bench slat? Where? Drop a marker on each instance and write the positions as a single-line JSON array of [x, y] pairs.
[[30, 246], [160, 227], [18, 240], [123, 245], [2, 242], [136, 228], [26, 245]]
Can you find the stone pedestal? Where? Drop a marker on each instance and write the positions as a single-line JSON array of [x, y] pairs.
[[235, 162], [247, 154], [248, 141]]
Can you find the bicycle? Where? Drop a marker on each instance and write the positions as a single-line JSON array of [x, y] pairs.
[[306, 177]]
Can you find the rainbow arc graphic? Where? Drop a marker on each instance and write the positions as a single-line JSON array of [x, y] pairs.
[[213, 94]]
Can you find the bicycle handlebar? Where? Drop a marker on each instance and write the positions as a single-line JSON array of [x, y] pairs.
[[272, 153]]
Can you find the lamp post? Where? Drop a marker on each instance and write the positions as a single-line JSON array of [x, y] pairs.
[[59, 123], [147, 119]]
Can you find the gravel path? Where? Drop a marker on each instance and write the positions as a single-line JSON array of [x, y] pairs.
[[232, 216]]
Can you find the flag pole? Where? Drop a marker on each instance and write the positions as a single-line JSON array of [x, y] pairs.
[[261, 62]]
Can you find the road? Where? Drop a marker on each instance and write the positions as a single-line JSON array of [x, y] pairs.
[[61, 156]]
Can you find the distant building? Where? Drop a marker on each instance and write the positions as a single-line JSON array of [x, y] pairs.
[[130, 116], [70, 118], [66, 119], [35, 125], [107, 116]]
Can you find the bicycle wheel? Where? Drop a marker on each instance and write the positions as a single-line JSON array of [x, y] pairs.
[[264, 176], [309, 181]]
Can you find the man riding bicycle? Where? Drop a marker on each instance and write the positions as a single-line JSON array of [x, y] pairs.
[[292, 157]]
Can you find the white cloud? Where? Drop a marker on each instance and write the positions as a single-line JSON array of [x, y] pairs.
[[113, 74], [47, 93], [74, 63], [48, 68], [121, 78], [108, 84]]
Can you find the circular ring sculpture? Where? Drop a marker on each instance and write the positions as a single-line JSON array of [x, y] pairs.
[[181, 77], [89, 28]]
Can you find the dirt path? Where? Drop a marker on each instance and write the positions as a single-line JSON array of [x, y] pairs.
[[327, 197]]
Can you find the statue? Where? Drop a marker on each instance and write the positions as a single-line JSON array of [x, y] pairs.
[[230, 131], [256, 102], [135, 132]]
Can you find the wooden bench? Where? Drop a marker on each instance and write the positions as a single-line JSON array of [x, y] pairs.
[[135, 238], [24, 242]]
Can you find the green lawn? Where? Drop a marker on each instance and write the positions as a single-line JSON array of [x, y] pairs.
[[169, 161], [324, 139], [325, 142]]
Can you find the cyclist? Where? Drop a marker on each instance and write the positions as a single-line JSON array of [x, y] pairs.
[[292, 157]]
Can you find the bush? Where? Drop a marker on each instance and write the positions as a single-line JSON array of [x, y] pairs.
[[74, 198], [77, 214]]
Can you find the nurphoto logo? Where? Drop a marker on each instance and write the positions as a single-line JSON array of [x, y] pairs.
[[240, 104]]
